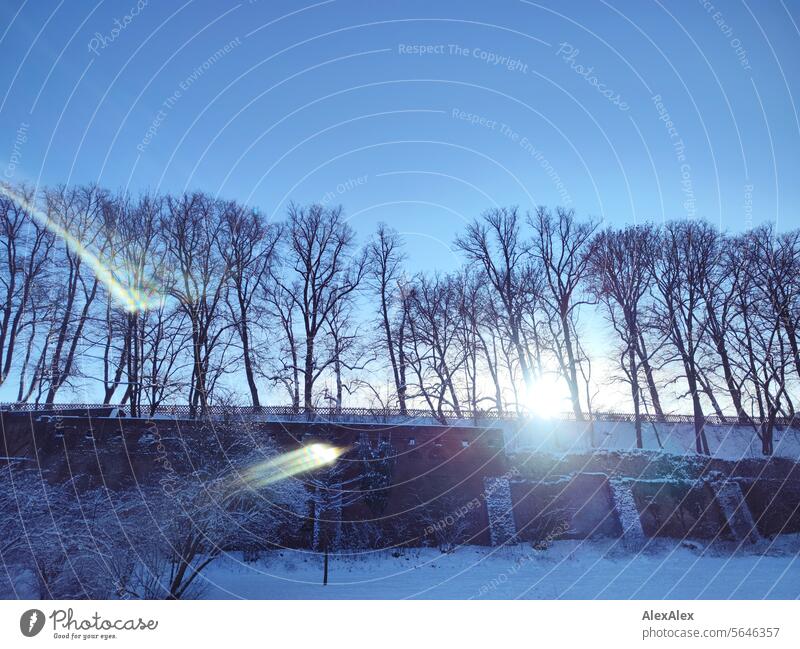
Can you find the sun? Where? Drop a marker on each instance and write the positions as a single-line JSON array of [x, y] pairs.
[[545, 397]]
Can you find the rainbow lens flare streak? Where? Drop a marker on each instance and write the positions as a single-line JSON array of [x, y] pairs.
[[132, 300], [286, 465]]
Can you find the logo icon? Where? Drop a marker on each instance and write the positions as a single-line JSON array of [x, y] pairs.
[[31, 622]]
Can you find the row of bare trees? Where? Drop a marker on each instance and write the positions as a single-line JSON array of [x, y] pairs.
[[190, 298]]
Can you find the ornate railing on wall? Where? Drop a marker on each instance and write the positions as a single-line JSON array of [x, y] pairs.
[[183, 411]]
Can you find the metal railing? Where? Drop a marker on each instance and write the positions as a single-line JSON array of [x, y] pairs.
[[184, 411]]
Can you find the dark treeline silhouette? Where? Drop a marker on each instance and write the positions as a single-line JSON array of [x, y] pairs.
[[167, 299]]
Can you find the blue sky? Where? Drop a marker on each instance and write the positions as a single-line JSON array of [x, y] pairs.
[[509, 103]]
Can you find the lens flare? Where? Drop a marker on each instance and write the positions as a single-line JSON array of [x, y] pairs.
[[131, 299], [286, 465], [546, 397]]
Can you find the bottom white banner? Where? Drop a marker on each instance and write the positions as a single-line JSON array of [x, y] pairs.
[[333, 624]]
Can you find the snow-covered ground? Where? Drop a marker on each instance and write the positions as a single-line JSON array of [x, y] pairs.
[[599, 569], [567, 570]]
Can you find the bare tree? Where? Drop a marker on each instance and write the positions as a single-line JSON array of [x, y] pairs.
[[39, 330], [165, 337], [285, 364], [385, 259], [494, 243], [346, 354], [26, 248], [115, 343], [209, 285], [562, 246], [323, 269], [433, 323], [491, 344], [468, 300], [194, 523], [111, 330], [763, 341], [247, 245], [718, 285], [78, 215], [192, 230], [679, 270], [782, 280], [620, 279]]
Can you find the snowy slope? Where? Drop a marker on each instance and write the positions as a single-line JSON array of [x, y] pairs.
[[568, 569]]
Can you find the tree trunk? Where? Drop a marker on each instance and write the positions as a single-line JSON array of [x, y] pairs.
[[791, 332], [337, 370], [648, 375], [701, 443], [387, 330], [248, 365], [727, 372], [572, 374], [634, 372], [62, 333], [76, 337], [767, 427], [308, 377], [521, 355], [401, 360]]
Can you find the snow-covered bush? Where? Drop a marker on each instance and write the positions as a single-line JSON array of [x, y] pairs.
[[177, 533], [81, 541], [446, 521], [56, 531], [377, 468]]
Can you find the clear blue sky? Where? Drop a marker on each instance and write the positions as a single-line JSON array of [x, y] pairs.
[[323, 101]]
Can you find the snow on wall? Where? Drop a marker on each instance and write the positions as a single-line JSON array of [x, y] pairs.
[[729, 442], [734, 508], [633, 535], [500, 509]]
